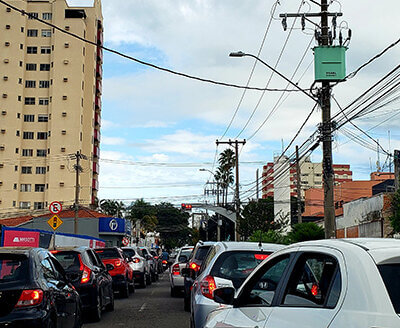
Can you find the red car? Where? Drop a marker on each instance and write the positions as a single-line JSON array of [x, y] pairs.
[[119, 269]]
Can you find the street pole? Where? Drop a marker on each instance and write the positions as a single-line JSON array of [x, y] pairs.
[[237, 200], [298, 184], [218, 219], [396, 169], [258, 196], [77, 187]]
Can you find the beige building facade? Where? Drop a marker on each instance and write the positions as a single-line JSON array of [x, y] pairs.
[[50, 103]]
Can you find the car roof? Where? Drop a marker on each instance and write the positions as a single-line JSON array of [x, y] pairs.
[[242, 245], [18, 250], [72, 248]]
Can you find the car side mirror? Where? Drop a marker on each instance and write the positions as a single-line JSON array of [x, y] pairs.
[[188, 272], [182, 259], [109, 267], [225, 295]]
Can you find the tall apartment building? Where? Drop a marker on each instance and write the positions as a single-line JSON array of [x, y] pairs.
[[311, 176], [50, 103]]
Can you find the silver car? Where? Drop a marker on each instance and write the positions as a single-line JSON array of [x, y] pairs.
[[175, 277], [139, 265], [227, 264]]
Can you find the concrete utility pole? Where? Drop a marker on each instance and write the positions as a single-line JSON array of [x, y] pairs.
[[298, 184], [396, 160], [237, 200], [326, 126], [257, 188], [78, 169]]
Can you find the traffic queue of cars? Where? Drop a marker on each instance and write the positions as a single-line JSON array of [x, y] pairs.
[[60, 288]]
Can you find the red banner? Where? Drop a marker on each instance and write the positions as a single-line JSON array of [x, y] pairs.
[[21, 238]]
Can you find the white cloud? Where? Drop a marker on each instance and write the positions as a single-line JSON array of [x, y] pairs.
[[112, 141]]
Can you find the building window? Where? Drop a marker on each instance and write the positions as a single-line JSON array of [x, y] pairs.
[[43, 118], [39, 187], [46, 33], [41, 153], [26, 169], [33, 15], [31, 67], [14, 203], [31, 50], [30, 84], [25, 187], [29, 100], [38, 205], [25, 205], [41, 170], [44, 84], [27, 152], [29, 118], [17, 133], [19, 80], [45, 67], [43, 101], [15, 186], [32, 33], [28, 135], [45, 50], [47, 16], [42, 135]]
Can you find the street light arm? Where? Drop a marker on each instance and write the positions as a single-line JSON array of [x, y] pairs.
[[242, 54]]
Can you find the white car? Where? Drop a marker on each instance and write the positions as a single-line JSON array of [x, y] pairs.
[[139, 265], [175, 277], [227, 264], [326, 283]]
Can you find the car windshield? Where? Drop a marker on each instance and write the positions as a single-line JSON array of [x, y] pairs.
[[108, 253], [237, 265], [391, 277], [201, 253], [13, 267], [185, 252], [68, 260], [129, 252]]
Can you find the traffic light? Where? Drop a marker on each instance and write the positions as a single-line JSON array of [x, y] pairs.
[[186, 207]]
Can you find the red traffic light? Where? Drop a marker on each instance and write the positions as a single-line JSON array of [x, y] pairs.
[[186, 206]]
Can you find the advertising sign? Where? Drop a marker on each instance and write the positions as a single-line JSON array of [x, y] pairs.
[[112, 225], [21, 238]]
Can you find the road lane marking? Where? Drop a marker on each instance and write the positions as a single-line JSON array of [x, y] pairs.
[[143, 307]]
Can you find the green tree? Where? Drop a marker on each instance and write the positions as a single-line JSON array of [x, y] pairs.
[[270, 236], [256, 215], [306, 231], [144, 212], [395, 217], [224, 173], [112, 207]]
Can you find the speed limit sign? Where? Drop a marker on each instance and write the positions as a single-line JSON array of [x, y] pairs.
[[55, 207]]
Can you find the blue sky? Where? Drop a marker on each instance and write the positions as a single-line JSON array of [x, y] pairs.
[[159, 119]]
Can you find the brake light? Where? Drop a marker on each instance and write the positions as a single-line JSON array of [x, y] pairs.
[[85, 271], [30, 297], [207, 286], [261, 256], [314, 290], [194, 266], [54, 252], [156, 257], [136, 260], [117, 263], [164, 262], [176, 270]]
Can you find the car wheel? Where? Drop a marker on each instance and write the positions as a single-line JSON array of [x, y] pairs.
[[143, 282], [124, 291], [110, 306], [96, 312], [148, 279], [173, 292], [132, 286], [186, 304]]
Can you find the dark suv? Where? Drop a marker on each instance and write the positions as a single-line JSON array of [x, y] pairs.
[[34, 291], [119, 269], [196, 258], [90, 277]]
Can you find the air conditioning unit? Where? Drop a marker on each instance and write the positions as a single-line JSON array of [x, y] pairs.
[[64, 97], [64, 114], [63, 150], [1, 183], [66, 62], [2, 147], [3, 112], [1, 165], [7, 44], [65, 79], [64, 132], [62, 166], [61, 184], [5, 78], [67, 28], [6, 60], [3, 131], [5, 95], [8, 27], [66, 45]]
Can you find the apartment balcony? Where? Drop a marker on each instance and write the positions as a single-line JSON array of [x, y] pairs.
[[97, 135], [96, 167], [97, 119], [99, 86], [100, 37], [96, 152], [99, 70], [97, 103], [99, 54]]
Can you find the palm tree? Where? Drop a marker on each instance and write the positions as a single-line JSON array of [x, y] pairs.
[[224, 174]]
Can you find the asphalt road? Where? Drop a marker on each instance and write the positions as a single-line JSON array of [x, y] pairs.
[[151, 307]]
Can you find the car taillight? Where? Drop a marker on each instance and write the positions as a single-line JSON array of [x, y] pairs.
[[156, 257], [85, 271], [194, 266], [30, 297], [207, 286], [261, 256], [164, 262], [176, 270], [314, 290], [117, 263], [136, 260]]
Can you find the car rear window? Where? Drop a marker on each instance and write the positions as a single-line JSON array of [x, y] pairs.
[[108, 253], [237, 265], [69, 260], [390, 274], [186, 252], [129, 252], [201, 253], [13, 267]]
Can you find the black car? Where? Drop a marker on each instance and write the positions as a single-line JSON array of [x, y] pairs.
[[90, 277], [35, 292], [196, 258]]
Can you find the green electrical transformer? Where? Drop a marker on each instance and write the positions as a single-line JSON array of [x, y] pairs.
[[330, 63]]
